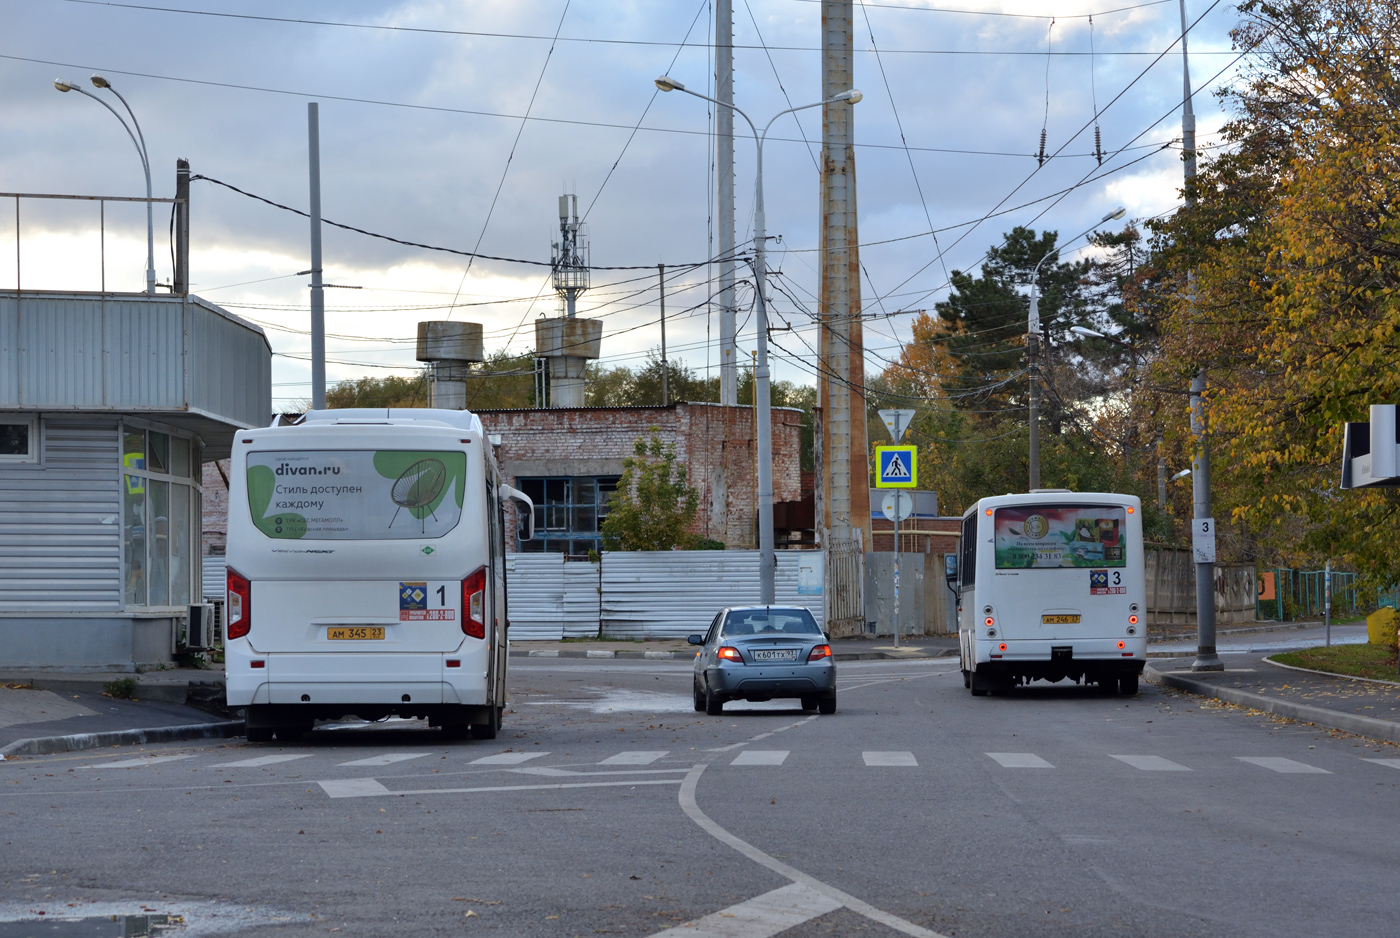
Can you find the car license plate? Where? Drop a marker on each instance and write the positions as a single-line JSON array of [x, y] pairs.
[[1059, 620], [355, 633], [776, 654]]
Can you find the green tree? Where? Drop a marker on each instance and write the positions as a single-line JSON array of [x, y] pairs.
[[655, 505], [389, 391]]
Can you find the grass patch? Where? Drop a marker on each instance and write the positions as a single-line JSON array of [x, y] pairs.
[[121, 689], [1375, 661]]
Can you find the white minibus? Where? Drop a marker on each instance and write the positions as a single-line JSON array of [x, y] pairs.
[[366, 572], [1051, 586]]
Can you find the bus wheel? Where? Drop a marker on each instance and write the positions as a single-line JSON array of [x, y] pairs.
[[259, 734], [967, 678], [1127, 684], [488, 730]]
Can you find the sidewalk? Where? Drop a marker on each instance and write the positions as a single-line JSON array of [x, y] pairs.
[[56, 712], [1367, 708]]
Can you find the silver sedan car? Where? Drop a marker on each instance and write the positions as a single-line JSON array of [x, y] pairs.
[[763, 652]]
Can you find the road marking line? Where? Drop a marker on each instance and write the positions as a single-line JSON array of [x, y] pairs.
[[555, 770], [1393, 763], [507, 758], [138, 763], [367, 787], [260, 761], [353, 787], [1286, 766], [1152, 763], [388, 758], [889, 758], [635, 757], [760, 917], [1020, 760], [692, 810], [760, 757]]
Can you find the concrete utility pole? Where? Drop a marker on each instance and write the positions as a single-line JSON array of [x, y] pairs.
[[665, 369], [318, 295], [724, 176], [181, 284], [1206, 658], [844, 480]]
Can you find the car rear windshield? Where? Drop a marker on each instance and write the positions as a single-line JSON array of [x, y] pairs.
[[356, 494], [1060, 536], [770, 622]]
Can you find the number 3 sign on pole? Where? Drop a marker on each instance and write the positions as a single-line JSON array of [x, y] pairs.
[[1203, 539]]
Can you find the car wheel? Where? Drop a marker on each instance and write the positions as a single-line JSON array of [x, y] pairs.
[[827, 705], [1128, 684], [810, 703], [259, 734], [714, 706], [699, 697]]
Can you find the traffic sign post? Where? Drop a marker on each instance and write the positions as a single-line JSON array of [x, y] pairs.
[[897, 467]]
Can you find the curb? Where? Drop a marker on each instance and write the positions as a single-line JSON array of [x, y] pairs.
[[1303, 713], [45, 745], [687, 655]]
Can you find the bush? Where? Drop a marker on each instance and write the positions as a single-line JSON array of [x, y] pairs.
[[122, 688]]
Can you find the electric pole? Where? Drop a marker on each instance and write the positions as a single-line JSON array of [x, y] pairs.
[[724, 177]]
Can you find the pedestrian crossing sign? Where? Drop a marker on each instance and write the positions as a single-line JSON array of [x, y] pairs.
[[897, 467]]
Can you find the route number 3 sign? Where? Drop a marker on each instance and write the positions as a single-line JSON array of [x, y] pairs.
[[1203, 539]]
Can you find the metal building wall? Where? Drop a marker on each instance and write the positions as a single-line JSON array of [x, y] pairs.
[[60, 522]]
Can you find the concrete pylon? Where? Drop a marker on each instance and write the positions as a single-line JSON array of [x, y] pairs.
[[449, 348], [567, 345]]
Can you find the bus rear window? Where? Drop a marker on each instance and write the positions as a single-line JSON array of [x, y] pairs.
[[1060, 536], [356, 494]]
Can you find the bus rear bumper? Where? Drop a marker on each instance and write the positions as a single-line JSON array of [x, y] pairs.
[[403, 681], [1057, 659]]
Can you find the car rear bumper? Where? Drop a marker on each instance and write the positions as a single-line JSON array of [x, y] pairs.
[[757, 681]]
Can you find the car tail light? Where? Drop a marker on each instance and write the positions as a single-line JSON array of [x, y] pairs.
[[474, 604], [730, 654], [240, 605], [821, 651]]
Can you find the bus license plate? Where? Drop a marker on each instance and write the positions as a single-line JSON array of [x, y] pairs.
[[1059, 620], [781, 654], [355, 633]]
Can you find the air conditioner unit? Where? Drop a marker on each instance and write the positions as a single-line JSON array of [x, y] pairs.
[[1371, 451], [199, 634]]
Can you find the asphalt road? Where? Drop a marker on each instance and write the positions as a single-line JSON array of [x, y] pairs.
[[608, 806]]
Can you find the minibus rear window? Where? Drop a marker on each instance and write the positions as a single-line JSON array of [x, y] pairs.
[[356, 494], [1049, 536]]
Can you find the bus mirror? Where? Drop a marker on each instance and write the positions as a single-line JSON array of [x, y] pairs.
[[524, 513], [950, 570]]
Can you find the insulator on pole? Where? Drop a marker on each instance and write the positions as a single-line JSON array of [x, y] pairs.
[[1098, 145], [1040, 157]]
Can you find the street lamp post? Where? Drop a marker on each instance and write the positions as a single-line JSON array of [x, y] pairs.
[[767, 558], [1033, 348], [139, 141]]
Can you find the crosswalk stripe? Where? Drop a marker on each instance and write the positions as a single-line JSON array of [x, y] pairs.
[[1020, 760], [1393, 763], [889, 758], [760, 757], [507, 758], [260, 761], [1286, 766], [635, 757], [1152, 763], [388, 758], [759, 917], [137, 763]]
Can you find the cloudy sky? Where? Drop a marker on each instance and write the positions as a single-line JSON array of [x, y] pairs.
[[458, 124]]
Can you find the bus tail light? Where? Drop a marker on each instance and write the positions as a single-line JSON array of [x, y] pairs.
[[474, 604], [1001, 647], [821, 651], [1132, 620], [1122, 645], [240, 605], [729, 654]]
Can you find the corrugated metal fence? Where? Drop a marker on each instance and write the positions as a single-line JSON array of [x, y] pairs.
[[642, 594]]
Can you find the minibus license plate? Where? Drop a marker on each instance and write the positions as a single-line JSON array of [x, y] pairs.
[[1059, 620], [779, 654], [355, 633]]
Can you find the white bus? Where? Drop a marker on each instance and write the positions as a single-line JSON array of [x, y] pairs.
[[1051, 586], [366, 572]]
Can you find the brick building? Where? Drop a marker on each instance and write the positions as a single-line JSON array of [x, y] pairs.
[[569, 459]]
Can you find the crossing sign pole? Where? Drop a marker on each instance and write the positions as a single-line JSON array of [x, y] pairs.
[[896, 467]]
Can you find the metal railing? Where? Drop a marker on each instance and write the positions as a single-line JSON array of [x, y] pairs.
[[1302, 594], [101, 201]]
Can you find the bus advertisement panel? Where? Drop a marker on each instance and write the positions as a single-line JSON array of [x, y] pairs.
[[1052, 536]]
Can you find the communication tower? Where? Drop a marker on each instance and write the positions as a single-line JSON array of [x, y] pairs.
[[567, 344]]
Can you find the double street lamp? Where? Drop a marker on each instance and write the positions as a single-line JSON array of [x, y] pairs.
[[767, 558], [1033, 348], [139, 141]]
